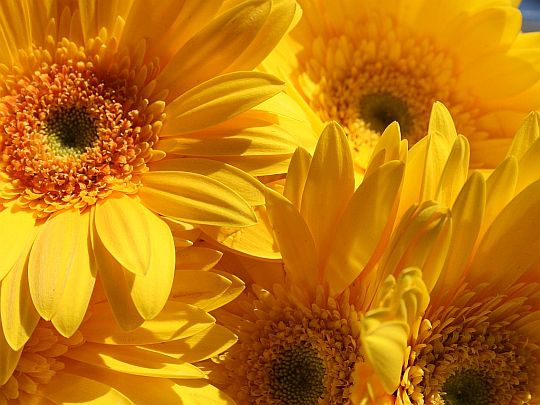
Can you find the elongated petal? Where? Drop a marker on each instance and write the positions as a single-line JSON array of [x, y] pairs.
[[329, 186], [79, 286], [219, 99], [198, 288], [371, 209], [294, 239], [16, 229], [113, 279], [455, 172], [200, 258], [384, 345], [18, 314], [9, 357], [204, 345], [59, 249], [176, 321], [214, 48], [195, 198], [515, 229], [66, 388], [133, 360], [133, 235], [296, 176], [249, 188]]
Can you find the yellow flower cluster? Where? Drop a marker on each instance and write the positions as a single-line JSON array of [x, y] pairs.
[[284, 202]]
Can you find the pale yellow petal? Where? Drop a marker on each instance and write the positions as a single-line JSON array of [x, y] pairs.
[[514, 230], [200, 258], [199, 288], [134, 236], [59, 249], [17, 226], [295, 241], [79, 286], [18, 314], [195, 198], [371, 209], [455, 172], [215, 47], [296, 176], [329, 186], [249, 188], [176, 321], [68, 389], [133, 360], [219, 99]]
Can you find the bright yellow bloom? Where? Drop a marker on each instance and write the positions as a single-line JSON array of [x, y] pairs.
[[478, 341], [157, 363], [307, 323], [92, 98], [368, 63]]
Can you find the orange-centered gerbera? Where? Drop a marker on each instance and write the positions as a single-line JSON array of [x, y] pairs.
[[366, 64], [96, 100]]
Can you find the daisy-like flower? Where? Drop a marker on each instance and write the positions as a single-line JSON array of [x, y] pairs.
[[158, 362], [478, 341], [92, 97], [305, 325], [368, 63]]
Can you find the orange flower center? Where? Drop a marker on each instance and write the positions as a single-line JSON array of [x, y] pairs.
[[70, 135]]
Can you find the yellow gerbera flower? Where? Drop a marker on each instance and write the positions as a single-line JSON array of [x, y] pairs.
[[478, 341], [368, 63], [158, 362], [86, 92], [306, 325]]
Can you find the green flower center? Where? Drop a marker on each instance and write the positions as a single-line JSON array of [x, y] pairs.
[[296, 376], [468, 387], [378, 110], [70, 130]]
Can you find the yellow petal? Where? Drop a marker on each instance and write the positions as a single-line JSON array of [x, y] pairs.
[[219, 99], [514, 230], [352, 250], [195, 198], [384, 343], [296, 176], [200, 258], [133, 360], [66, 388], [525, 136], [113, 278], [135, 237], [215, 47], [329, 186], [78, 290], [467, 216], [59, 249], [197, 392], [208, 343], [295, 241], [16, 228], [455, 172], [198, 287], [249, 188], [500, 189], [18, 314], [176, 321], [388, 144], [257, 240], [9, 357]]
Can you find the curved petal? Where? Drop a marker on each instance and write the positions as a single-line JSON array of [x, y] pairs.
[[59, 249], [16, 228], [199, 288], [17, 311], [195, 198], [248, 187], [219, 99], [135, 237]]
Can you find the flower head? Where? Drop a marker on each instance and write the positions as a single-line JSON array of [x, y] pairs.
[[477, 341], [92, 98], [308, 323], [366, 64]]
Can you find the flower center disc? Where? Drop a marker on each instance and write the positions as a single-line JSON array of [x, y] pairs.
[[296, 376], [469, 387], [70, 130], [378, 110]]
